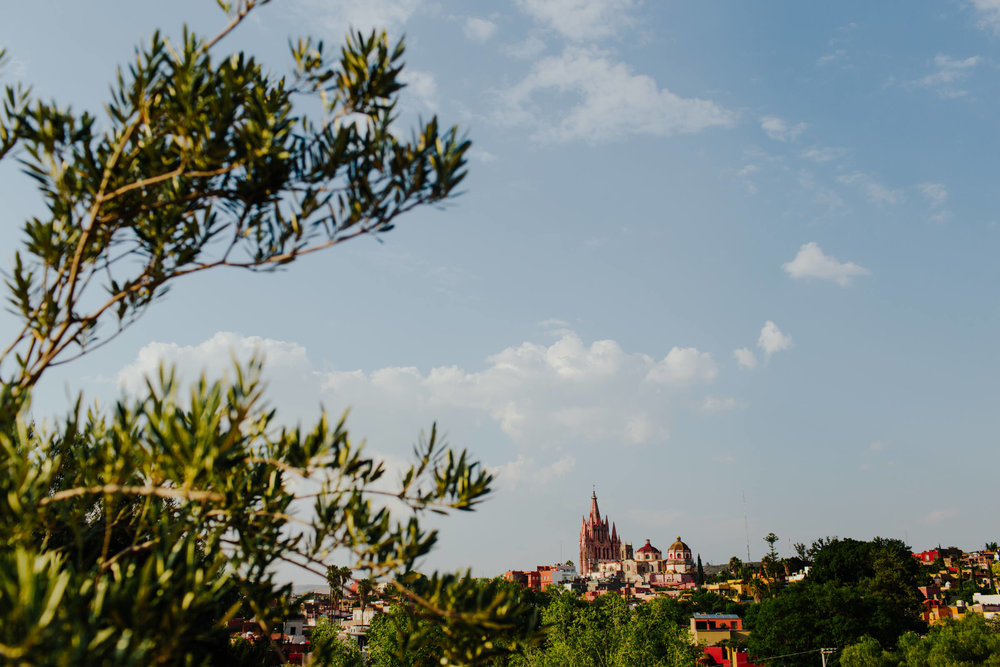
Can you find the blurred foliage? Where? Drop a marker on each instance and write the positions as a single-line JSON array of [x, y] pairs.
[[132, 535]]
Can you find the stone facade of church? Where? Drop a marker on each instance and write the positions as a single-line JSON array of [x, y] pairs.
[[597, 543], [604, 554]]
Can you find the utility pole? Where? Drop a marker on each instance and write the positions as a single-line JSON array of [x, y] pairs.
[[823, 652]]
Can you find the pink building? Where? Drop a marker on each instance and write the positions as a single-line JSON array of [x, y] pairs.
[[597, 541]]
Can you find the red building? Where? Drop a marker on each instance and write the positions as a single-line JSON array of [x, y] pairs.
[[597, 541]]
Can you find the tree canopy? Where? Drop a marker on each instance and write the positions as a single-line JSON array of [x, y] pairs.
[[132, 535]]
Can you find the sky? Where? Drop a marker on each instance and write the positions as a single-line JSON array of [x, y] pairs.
[[731, 264]]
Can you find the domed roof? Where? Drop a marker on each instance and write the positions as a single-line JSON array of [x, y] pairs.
[[647, 547], [679, 546]]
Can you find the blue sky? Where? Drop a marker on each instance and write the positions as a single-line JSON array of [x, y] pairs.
[[705, 251]]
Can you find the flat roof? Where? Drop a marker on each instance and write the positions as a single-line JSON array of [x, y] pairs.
[[726, 616]]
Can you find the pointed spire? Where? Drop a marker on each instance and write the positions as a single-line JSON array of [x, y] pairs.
[[614, 533], [595, 513]]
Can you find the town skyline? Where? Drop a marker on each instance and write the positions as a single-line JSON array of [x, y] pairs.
[[720, 261]]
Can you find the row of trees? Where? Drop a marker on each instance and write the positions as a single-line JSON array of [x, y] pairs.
[[608, 632]]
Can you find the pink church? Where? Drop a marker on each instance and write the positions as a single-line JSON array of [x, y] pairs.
[[596, 542]]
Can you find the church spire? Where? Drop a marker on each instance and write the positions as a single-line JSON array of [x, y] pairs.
[[595, 514]]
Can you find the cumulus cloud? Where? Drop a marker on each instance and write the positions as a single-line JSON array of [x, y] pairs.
[[562, 393], [989, 14], [771, 339], [536, 394], [340, 15], [745, 357], [684, 366], [479, 29], [421, 84], [812, 262], [580, 19], [781, 130], [947, 74], [876, 192], [524, 471], [214, 358], [604, 101]]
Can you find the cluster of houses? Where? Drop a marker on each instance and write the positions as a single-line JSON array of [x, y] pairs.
[[950, 567], [350, 611]]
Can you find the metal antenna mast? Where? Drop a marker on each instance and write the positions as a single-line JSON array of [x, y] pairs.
[[746, 522]]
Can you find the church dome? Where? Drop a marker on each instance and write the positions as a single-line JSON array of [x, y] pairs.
[[679, 546], [647, 547]]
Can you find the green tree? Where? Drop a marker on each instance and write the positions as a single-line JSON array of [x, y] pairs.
[[854, 589], [771, 540], [867, 653], [132, 535], [328, 648], [608, 632], [967, 642]]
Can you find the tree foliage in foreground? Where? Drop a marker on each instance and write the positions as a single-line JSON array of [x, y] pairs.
[[132, 535]]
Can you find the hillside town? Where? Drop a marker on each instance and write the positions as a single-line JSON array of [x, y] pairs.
[[953, 585]]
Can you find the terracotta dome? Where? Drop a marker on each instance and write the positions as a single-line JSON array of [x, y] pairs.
[[679, 546], [647, 547]]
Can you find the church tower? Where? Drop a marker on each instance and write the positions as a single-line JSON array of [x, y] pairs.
[[597, 541]]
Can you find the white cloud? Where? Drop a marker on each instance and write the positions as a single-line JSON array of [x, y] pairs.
[[481, 155], [947, 74], [745, 174], [527, 472], [771, 339], [606, 101], [823, 154], [479, 29], [812, 262], [529, 48], [833, 56], [214, 357], [567, 393], [715, 404], [781, 130], [580, 19], [989, 14], [745, 357], [873, 190], [877, 446], [341, 15], [684, 366], [421, 84], [935, 193], [937, 516]]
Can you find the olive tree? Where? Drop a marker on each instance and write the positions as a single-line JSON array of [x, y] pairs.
[[132, 535]]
